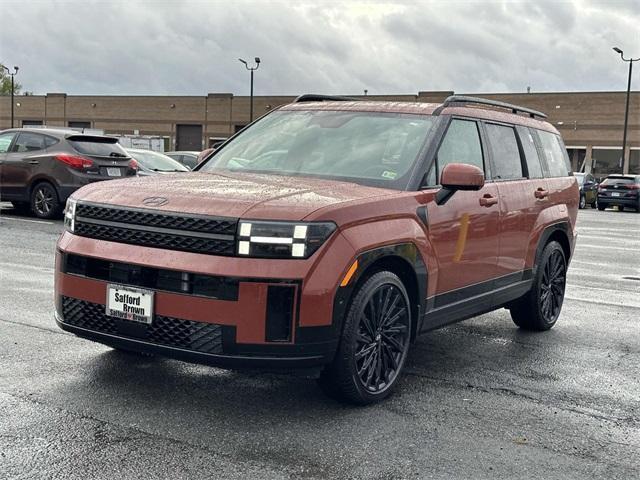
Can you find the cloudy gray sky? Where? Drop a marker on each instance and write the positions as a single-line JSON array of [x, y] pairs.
[[192, 47]]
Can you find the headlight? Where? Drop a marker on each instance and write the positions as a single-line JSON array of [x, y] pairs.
[[70, 215], [281, 239]]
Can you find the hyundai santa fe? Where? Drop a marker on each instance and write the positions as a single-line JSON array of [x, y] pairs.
[[325, 237]]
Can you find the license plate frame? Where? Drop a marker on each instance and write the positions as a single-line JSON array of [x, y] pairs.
[[121, 303], [615, 194], [114, 171]]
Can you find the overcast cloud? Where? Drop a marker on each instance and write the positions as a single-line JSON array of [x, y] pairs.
[[189, 47]]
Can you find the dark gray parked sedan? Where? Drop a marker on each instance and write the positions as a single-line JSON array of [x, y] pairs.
[[41, 167]]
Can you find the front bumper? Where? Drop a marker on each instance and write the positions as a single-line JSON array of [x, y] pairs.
[[289, 363], [226, 299]]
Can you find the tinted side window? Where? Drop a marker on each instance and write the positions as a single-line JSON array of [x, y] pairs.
[[531, 156], [5, 141], [504, 152], [556, 155], [461, 144], [29, 142]]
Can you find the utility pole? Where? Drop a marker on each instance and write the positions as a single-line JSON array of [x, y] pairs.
[[626, 108], [251, 69]]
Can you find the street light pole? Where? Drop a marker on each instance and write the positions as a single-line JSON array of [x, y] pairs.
[[251, 69], [15, 71], [626, 108]]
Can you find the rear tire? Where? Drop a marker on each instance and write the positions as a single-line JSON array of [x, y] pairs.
[[374, 344], [594, 204], [44, 201], [601, 207], [540, 308]]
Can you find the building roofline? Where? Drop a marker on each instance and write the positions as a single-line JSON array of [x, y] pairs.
[[372, 96]]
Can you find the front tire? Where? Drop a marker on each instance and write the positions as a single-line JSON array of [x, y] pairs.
[[374, 344], [44, 201], [540, 308]]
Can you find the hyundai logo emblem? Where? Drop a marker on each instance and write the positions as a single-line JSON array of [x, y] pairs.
[[155, 201]]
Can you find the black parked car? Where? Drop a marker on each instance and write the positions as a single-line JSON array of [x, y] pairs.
[[588, 189], [621, 191], [40, 168]]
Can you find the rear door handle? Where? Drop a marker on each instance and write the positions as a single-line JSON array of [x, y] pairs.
[[541, 193], [34, 162], [487, 200]]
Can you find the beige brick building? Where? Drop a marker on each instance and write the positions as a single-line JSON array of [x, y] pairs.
[[590, 122]]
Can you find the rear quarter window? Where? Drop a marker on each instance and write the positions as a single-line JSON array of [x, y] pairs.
[[555, 154]]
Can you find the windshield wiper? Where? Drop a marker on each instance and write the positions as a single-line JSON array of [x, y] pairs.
[[117, 154]]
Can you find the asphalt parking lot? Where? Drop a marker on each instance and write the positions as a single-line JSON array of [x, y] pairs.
[[480, 399]]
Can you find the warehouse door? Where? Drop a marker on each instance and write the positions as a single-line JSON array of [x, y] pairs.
[[189, 137]]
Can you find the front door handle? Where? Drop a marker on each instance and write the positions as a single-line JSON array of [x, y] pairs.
[[487, 200], [34, 162], [541, 193]]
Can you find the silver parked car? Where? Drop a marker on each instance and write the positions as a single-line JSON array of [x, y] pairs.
[[151, 163], [187, 158]]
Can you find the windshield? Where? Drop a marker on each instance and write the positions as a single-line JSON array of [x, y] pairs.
[[618, 181], [97, 146], [375, 149], [157, 161]]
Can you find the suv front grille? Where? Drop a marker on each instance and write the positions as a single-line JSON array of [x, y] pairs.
[[211, 235], [167, 331]]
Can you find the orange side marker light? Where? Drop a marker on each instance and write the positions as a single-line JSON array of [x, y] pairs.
[[350, 272]]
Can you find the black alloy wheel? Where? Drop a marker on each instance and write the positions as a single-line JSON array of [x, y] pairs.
[[374, 344], [540, 308], [554, 278], [44, 201], [382, 338]]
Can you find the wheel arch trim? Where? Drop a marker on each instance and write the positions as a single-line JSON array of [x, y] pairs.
[[409, 262]]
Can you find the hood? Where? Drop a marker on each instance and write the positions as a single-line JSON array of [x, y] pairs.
[[239, 195]]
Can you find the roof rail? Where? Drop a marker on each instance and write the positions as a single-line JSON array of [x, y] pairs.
[[313, 97], [463, 100]]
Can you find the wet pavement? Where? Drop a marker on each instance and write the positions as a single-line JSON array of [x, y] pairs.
[[479, 399]]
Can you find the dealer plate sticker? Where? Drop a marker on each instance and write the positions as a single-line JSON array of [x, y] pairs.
[[615, 194], [114, 172], [127, 303]]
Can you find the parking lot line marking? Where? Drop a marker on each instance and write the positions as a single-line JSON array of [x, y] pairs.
[[26, 220], [27, 267], [598, 302], [602, 247]]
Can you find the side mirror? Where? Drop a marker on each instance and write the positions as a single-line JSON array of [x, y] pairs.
[[458, 176]]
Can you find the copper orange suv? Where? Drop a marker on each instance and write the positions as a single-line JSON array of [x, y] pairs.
[[325, 237]]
